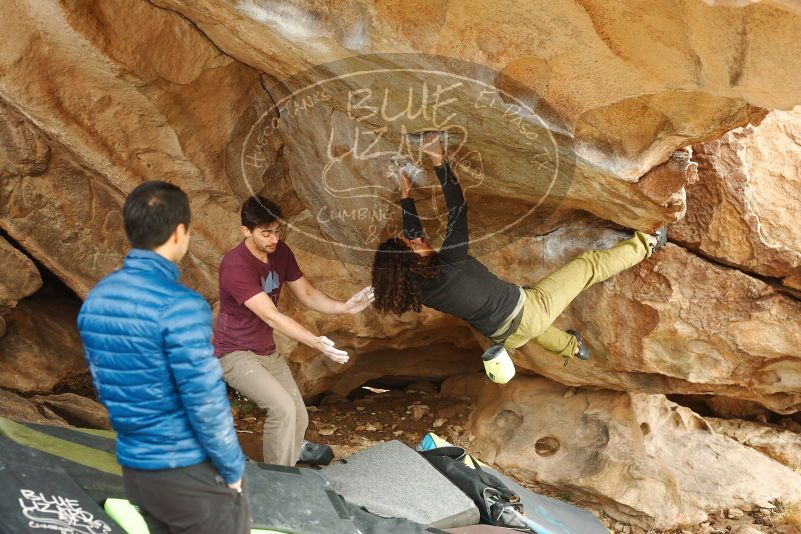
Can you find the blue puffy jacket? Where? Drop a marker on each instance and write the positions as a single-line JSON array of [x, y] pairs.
[[148, 345]]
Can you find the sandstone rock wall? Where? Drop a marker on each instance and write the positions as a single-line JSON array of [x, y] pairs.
[[41, 346], [673, 324], [97, 97], [20, 409], [784, 446], [75, 75], [644, 97], [65, 215], [21, 278], [647, 460], [624, 76], [741, 210], [126, 92], [75, 409]]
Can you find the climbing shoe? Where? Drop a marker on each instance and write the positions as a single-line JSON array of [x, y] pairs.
[[315, 453], [583, 353], [661, 236]]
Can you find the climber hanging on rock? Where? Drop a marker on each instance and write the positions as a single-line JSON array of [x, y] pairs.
[[408, 274]]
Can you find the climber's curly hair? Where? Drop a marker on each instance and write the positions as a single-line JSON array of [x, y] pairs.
[[398, 277]]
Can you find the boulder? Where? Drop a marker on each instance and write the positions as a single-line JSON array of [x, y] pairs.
[[76, 204], [121, 92], [564, 108], [675, 323], [723, 407], [18, 408], [739, 211], [783, 446], [645, 460], [76, 410], [23, 149], [624, 78], [20, 276], [584, 79], [41, 346]]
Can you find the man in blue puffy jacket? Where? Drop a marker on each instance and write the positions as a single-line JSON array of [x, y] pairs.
[[148, 345]]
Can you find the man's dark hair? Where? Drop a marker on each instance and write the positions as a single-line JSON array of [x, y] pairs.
[[258, 212], [398, 276], [152, 212]]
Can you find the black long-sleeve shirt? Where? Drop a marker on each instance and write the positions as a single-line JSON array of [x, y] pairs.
[[465, 287]]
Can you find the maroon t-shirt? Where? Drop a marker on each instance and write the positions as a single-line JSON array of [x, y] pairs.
[[243, 275]]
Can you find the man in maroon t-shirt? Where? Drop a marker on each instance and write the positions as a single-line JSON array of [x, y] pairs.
[[251, 277]]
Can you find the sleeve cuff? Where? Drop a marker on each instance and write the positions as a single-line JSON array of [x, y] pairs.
[[234, 475], [249, 296]]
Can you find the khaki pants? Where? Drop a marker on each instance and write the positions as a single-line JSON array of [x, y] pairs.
[[551, 295], [268, 381]]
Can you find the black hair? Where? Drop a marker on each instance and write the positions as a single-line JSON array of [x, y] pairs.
[[398, 276], [258, 212], [152, 212]]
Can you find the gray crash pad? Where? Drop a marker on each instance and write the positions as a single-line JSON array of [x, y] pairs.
[[392, 480], [301, 501]]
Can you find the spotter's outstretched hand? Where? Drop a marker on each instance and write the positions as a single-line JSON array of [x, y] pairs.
[[360, 300], [327, 347]]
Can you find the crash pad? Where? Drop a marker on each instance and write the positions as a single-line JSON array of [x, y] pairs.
[[41, 500], [283, 499], [392, 480]]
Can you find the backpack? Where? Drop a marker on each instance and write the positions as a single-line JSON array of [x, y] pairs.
[[497, 504]]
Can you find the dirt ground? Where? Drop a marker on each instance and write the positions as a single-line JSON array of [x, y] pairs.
[[369, 416]]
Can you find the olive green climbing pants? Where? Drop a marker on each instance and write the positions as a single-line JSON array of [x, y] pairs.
[[551, 295]]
